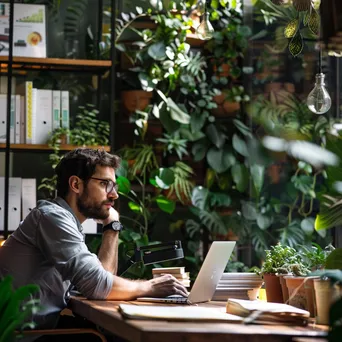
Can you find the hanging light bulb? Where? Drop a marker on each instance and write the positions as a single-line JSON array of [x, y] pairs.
[[205, 30], [319, 101]]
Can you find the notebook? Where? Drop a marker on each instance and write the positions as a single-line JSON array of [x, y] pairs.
[[207, 279], [256, 311]]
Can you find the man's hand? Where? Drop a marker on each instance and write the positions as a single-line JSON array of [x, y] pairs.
[[113, 216], [166, 285]]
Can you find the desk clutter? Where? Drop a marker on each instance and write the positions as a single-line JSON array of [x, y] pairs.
[[236, 311], [239, 286], [178, 272]]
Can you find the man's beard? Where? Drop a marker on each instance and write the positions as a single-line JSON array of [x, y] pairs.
[[91, 210]]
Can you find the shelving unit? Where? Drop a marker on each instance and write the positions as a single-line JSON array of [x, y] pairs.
[[10, 65], [56, 64], [43, 147]]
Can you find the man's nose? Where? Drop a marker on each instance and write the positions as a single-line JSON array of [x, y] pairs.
[[113, 194]]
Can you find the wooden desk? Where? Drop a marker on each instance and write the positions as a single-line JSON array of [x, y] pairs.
[[105, 314]]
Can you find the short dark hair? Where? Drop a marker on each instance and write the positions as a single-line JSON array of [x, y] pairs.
[[82, 163]]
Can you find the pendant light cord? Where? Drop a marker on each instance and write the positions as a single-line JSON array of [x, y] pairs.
[[320, 59]]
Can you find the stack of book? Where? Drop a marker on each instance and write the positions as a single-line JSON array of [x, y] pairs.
[[238, 285], [177, 272]]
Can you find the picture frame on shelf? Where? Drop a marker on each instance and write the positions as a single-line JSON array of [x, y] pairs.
[[29, 30]]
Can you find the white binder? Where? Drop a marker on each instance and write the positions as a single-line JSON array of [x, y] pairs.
[[89, 226], [28, 195], [14, 203], [43, 115]]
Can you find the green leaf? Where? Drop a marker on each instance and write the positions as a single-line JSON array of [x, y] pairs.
[[240, 145], [124, 184], [240, 177], [308, 225], [176, 113], [258, 177], [199, 197], [264, 221], [199, 149], [296, 45], [134, 207], [291, 28], [249, 211], [220, 159], [334, 260], [146, 82], [215, 136], [314, 22], [165, 204], [157, 51], [166, 175], [219, 199]]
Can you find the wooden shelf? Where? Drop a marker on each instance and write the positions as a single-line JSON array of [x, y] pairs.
[[26, 63], [43, 147]]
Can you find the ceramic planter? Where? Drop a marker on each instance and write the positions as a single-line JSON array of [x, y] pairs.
[[273, 288], [133, 100], [297, 296], [310, 295], [325, 294]]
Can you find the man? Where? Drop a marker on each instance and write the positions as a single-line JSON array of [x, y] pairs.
[[48, 248]]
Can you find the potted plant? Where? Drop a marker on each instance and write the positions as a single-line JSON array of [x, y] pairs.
[[15, 308], [277, 261]]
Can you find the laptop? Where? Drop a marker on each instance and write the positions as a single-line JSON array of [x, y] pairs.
[[208, 277]]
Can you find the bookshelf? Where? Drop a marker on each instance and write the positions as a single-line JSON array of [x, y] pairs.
[[25, 63], [45, 147]]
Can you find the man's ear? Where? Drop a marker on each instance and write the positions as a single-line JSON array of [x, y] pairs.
[[74, 184]]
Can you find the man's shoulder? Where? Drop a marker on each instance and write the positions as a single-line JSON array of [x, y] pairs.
[[51, 208]]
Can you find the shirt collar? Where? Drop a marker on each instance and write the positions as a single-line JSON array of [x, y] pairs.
[[63, 203]]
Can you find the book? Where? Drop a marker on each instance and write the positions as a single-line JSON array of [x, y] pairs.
[[256, 311], [168, 270], [176, 313]]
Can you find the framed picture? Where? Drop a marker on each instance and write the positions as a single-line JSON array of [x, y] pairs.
[[29, 30]]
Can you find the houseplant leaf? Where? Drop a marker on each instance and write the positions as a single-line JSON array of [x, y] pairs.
[[165, 204], [258, 176], [199, 197], [157, 51], [124, 184], [215, 135], [291, 28], [296, 45], [240, 176], [240, 145], [220, 159]]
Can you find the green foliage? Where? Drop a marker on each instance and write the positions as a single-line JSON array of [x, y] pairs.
[[294, 24], [15, 308], [278, 259]]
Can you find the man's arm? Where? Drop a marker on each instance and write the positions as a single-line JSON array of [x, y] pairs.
[[108, 253], [124, 289]]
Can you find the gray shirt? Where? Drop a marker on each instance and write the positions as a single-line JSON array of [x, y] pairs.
[[48, 249]]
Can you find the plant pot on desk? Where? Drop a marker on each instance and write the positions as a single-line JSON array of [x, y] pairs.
[[297, 295], [273, 288]]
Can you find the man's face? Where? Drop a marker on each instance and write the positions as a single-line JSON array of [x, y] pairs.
[[94, 201]]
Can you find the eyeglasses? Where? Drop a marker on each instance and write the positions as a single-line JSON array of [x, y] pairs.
[[110, 185]]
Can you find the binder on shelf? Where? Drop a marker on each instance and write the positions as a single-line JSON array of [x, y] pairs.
[[43, 116], [89, 226], [4, 87], [28, 195], [3, 118], [29, 116], [17, 129], [56, 109], [22, 120], [14, 203], [65, 108]]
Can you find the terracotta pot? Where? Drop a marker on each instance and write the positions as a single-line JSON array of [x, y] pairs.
[[273, 86], [273, 288], [284, 289], [290, 87], [133, 100], [231, 107], [310, 295], [297, 296]]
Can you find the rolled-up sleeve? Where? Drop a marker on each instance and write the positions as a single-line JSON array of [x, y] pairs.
[[62, 244]]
